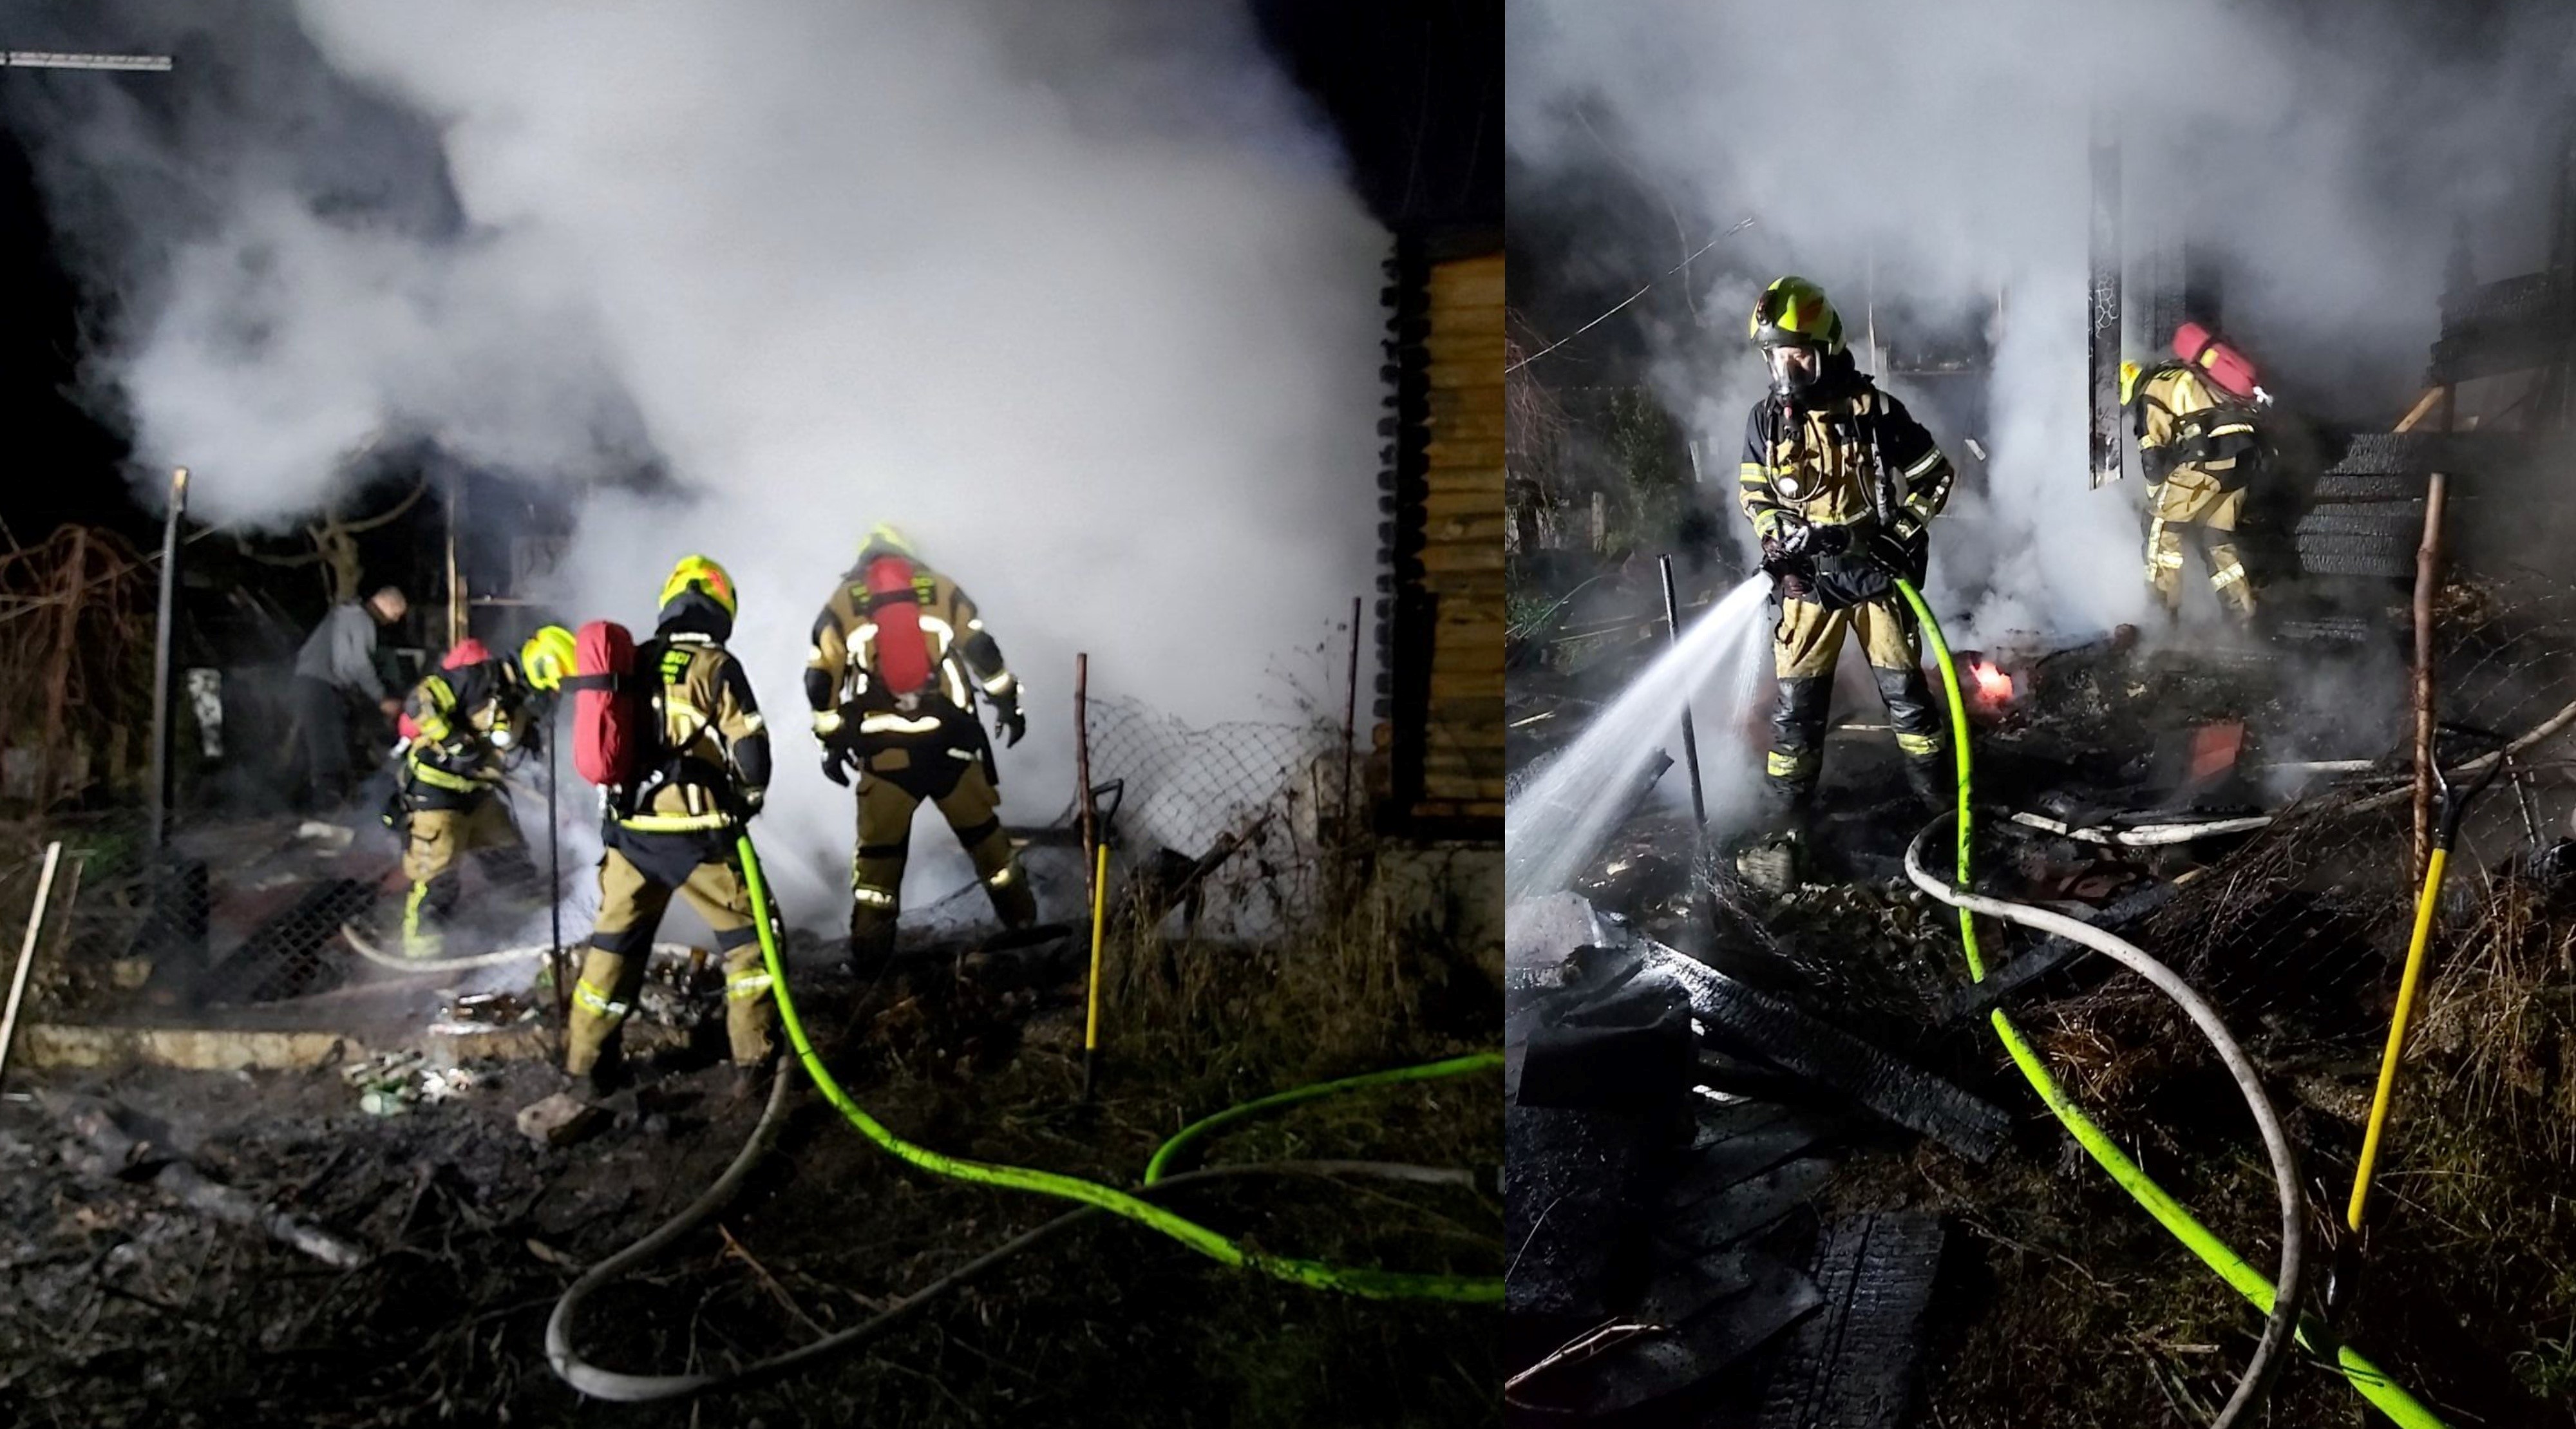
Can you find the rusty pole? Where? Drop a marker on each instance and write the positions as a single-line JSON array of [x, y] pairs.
[[2428, 574], [457, 618], [66, 649], [157, 798], [1082, 771], [1351, 725]]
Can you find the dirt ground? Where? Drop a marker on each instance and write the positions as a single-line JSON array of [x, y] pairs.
[[122, 1308]]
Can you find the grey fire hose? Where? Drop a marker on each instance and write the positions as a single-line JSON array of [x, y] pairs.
[[608, 1384], [2281, 1324]]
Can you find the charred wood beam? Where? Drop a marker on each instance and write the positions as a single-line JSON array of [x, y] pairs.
[[132, 1158], [1742, 1018]]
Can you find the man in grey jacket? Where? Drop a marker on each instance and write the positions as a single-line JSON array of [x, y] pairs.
[[338, 662]]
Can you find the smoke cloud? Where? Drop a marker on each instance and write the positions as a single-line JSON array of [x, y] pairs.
[[1076, 293], [1936, 155]]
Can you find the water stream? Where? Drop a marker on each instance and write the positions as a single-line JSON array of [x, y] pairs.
[[1557, 822]]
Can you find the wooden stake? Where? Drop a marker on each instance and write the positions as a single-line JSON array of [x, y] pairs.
[[27, 951], [2428, 578]]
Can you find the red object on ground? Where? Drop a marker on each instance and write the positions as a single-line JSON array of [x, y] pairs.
[[608, 707], [2224, 366], [903, 653], [2215, 748]]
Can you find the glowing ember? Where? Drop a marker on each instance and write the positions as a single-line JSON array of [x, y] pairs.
[[1993, 685]]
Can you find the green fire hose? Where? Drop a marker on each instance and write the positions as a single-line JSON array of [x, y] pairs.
[[1356, 1280], [2365, 1377]]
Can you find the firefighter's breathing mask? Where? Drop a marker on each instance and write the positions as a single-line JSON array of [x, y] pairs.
[[1794, 368]]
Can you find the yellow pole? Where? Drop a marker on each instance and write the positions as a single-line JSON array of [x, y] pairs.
[[1099, 920], [2424, 906]]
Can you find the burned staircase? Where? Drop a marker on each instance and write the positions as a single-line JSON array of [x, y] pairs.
[[2501, 383]]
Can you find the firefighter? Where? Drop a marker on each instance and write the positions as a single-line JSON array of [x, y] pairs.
[[899, 659], [460, 724], [1841, 485], [2197, 446], [674, 829]]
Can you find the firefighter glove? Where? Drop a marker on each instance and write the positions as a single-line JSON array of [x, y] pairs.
[[1007, 719], [835, 761], [1899, 550]]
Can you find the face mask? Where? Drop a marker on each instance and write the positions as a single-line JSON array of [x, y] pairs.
[[1793, 369]]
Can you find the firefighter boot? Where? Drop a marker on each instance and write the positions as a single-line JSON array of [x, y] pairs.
[[600, 1002], [749, 1008], [1771, 865], [1797, 737]]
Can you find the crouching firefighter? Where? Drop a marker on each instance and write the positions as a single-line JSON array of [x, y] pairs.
[[2198, 448], [899, 659], [461, 726], [701, 771], [1841, 485]]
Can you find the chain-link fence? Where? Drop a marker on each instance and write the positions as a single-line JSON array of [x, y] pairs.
[[1220, 826], [1226, 819]]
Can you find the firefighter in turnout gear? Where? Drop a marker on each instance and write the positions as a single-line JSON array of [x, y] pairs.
[[1841, 484], [673, 830], [898, 661], [2198, 448], [460, 725]]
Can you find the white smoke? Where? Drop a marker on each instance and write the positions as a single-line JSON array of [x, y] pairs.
[[1075, 293], [1940, 150]]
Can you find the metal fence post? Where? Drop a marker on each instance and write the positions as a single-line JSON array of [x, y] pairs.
[[157, 797]]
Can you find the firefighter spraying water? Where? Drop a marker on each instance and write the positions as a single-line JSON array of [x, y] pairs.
[[1841, 484]]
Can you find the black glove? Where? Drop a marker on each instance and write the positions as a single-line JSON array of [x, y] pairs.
[[835, 758], [1007, 719], [1901, 548]]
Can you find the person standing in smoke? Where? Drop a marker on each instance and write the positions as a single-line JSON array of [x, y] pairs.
[[2198, 449], [335, 665], [899, 657], [673, 830], [1841, 485], [460, 724]]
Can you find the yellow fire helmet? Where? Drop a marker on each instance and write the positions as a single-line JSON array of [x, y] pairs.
[[699, 574], [2129, 382], [547, 657], [1796, 313], [885, 536]]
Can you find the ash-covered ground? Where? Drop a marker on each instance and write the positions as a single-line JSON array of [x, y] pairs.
[[126, 1305], [2057, 1301]]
